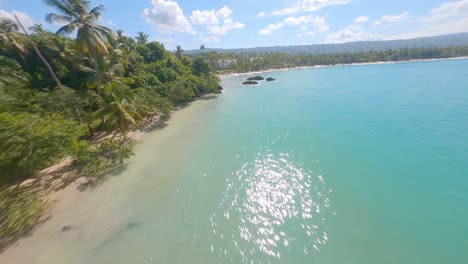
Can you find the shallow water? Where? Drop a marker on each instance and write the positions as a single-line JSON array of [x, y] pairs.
[[355, 164]]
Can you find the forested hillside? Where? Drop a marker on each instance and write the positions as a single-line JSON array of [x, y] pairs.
[[460, 39]]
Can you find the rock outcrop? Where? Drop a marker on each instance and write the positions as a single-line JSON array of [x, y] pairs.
[[250, 83], [255, 78]]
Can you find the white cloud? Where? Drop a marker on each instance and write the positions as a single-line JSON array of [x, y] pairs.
[[451, 27], [294, 21], [448, 18], [361, 19], [448, 10], [224, 13], [205, 17], [350, 34], [208, 39], [26, 20], [270, 28], [302, 6], [324, 29], [261, 14], [167, 16], [218, 23], [391, 19], [317, 21], [212, 18], [227, 25]]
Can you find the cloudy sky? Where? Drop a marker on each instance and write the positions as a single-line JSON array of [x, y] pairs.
[[250, 23]]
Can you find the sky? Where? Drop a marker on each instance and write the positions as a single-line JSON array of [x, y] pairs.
[[250, 23]]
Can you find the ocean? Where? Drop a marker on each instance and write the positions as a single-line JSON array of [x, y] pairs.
[[349, 164]]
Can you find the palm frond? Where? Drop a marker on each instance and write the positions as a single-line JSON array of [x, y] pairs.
[[63, 6], [67, 29], [56, 18], [97, 11]]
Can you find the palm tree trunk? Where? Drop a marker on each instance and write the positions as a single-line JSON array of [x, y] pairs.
[[52, 73]]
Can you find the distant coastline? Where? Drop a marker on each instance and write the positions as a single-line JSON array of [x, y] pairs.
[[228, 75]]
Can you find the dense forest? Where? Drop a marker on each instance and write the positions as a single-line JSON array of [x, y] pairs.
[[76, 93], [247, 62]]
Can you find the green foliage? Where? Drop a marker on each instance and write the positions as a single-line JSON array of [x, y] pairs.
[[200, 67], [20, 209], [100, 158], [109, 84], [30, 142], [150, 104]]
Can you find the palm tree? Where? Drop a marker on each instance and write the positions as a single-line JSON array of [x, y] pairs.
[[91, 38], [7, 25], [118, 111], [38, 29], [142, 38], [179, 52], [9, 36]]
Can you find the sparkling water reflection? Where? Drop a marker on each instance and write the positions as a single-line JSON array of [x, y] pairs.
[[276, 206]]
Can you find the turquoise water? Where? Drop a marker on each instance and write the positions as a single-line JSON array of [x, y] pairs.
[[355, 164]]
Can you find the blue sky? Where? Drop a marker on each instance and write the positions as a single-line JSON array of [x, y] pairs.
[[250, 23]]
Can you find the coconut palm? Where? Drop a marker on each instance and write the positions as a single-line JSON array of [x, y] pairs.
[[142, 38], [91, 37], [179, 52], [118, 112]]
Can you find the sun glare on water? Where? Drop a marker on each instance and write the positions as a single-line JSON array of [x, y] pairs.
[[272, 206]]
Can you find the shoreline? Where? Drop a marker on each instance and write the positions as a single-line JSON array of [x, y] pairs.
[[228, 75]]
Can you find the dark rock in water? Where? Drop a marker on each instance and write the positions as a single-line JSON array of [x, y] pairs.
[[66, 228], [250, 83], [220, 88], [131, 225], [270, 79], [256, 78]]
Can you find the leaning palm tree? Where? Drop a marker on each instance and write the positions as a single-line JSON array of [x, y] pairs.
[[9, 36], [142, 38], [91, 38]]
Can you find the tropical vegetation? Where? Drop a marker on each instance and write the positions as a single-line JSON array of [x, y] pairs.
[[76, 93]]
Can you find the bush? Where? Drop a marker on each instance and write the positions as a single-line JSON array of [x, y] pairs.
[[29, 142], [99, 159], [151, 103], [20, 209]]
